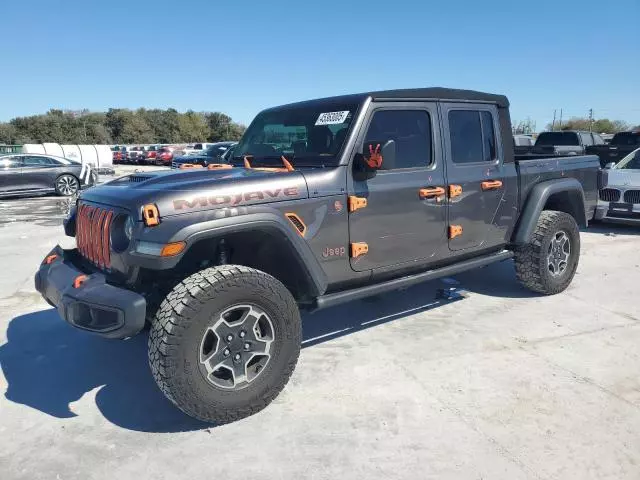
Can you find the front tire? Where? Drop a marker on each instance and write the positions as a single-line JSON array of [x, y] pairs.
[[548, 263], [224, 342], [67, 185]]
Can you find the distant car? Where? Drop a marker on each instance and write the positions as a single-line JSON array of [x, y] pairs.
[[137, 155], [119, 154], [213, 154], [522, 144], [150, 156], [619, 199], [565, 143], [195, 149], [26, 174], [620, 145], [165, 155]]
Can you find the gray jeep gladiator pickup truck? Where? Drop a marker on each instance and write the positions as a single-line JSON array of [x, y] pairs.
[[323, 202]]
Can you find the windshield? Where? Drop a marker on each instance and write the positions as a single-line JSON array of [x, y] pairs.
[[626, 138], [311, 134], [557, 138], [630, 162]]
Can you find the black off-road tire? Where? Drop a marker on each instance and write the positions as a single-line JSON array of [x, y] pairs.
[[182, 320], [531, 262]]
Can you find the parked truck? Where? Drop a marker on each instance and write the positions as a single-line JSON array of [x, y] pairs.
[[621, 145], [323, 202], [565, 143]]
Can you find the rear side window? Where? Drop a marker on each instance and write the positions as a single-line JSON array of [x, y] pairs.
[[586, 139], [411, 132], [472, 136]]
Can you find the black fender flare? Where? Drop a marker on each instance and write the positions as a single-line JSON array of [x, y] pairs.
[[536, 201], [260, 221]]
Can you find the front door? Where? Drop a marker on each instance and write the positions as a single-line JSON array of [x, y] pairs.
[[10, 174], [404, 219], [475, 175]]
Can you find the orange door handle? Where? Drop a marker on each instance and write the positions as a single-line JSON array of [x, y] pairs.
[[491, 185], [432, 192]]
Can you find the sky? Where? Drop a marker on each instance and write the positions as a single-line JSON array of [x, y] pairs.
[[242, 56]]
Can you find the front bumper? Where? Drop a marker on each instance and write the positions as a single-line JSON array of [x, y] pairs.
[[94, 305], [618, 212]]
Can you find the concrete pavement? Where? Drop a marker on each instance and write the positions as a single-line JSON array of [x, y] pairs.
[[501, 384]]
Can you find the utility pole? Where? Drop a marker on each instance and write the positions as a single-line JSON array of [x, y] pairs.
[[560, 119], [590, 119], [553, 124]]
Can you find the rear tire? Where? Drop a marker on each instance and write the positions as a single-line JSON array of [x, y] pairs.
[[548, 263], [224, 342]]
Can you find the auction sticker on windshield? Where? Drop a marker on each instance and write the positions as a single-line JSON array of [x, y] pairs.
[[332, 118]]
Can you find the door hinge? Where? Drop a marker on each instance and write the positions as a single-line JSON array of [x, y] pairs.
[[358, 248], [455, 191], [455, 231], [356, 203]]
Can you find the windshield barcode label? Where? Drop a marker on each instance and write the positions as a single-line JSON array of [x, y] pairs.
[[332, 118]]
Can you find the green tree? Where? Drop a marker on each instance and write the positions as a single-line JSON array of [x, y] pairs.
[[193, 127], [603, 125]]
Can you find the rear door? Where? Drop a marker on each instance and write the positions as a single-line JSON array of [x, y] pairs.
[[10, 174], [398, 224], [474, 173]]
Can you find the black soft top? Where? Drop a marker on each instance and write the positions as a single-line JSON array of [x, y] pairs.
[[433, 93], [439, 93]]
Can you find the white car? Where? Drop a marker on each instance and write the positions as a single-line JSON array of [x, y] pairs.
[[195, 149], [619, 199]]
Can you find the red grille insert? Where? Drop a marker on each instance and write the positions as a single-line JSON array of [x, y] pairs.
[[92, 234]]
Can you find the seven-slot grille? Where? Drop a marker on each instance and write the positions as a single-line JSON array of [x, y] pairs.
[[632, 196], [93, 228], [609, 195]]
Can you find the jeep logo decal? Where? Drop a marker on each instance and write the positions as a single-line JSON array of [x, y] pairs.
[[236, 199]]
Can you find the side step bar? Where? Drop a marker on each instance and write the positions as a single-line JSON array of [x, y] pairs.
[[345, 296]]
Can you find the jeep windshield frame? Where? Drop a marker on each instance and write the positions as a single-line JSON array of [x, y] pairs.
[[307, 134]]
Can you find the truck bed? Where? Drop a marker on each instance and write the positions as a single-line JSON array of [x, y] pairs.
[[583, 168]]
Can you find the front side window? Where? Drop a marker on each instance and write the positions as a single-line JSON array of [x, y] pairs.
[[9, 163], [311, 134], [410, 130], [630, 162], [488, 137], [37, 162]]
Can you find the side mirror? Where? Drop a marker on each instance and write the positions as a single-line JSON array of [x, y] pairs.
[[376, 153], [610, 165]]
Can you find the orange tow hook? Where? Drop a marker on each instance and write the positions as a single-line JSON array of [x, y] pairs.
[[80, 279]]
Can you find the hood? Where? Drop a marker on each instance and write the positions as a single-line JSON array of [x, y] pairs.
[[190, 158], [622, 178], [181, 191]]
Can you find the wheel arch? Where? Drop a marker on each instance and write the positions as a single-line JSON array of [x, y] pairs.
[[263, 241], [563, 195]]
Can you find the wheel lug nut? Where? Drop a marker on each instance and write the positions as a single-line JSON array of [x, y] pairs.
[[229, 337], [242, 333], [237, 356], [247, 346], [226, 352]]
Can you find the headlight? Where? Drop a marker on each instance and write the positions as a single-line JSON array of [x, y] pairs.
[[121, 232], [128, 228]]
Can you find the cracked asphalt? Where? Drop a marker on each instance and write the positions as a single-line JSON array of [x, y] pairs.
[[498, 383]]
